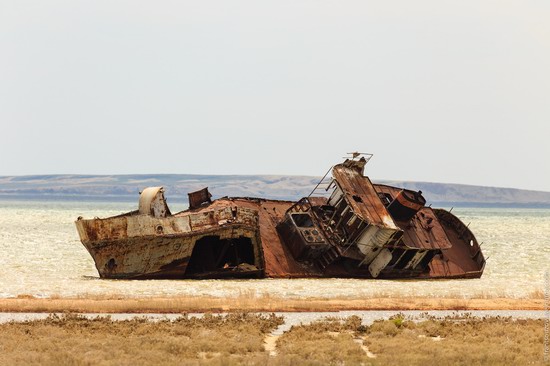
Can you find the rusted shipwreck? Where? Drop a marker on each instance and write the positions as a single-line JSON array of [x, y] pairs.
[[347, 227]]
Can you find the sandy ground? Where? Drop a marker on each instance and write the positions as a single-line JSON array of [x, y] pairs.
[[258, 304]]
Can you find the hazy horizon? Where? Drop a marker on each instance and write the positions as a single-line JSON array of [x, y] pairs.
[[375, 179], [439, 91]]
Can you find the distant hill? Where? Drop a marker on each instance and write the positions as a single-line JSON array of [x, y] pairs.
[[126, 187]]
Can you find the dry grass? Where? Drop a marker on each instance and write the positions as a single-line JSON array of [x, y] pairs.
[[74, 340], [470, 341], [451, 341], [329, 341], [251, 303], [239, 339]]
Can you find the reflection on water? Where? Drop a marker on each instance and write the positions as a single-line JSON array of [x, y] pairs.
[[41, 255]]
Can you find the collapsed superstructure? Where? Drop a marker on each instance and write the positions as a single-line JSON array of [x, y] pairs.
[[346, 227]]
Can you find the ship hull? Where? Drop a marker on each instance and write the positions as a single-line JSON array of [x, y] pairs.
[[133, 246], [353, 229], [141, 247]]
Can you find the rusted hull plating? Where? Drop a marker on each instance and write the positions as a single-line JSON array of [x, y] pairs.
[[360, 230], [141, 246]]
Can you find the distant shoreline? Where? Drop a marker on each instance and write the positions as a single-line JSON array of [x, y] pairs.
[[126, 188], [181, 199]]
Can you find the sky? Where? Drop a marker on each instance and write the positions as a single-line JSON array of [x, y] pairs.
[[441, 91]]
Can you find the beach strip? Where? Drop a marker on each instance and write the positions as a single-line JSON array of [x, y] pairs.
[[258, 304]]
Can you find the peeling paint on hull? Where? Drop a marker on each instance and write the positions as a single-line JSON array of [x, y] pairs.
[[138, 246]]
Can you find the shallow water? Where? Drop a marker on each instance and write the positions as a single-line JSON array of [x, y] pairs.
[[41, 255], [297, 318]]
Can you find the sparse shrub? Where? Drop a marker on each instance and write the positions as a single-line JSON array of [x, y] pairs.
[[76, 340], [320, 343], [385, 327], [238, 339]]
